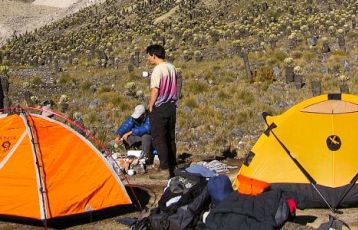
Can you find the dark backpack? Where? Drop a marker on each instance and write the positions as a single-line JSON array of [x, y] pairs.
[[186, 211], [142, 224]]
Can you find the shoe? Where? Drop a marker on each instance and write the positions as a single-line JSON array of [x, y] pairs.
[[161, 175]]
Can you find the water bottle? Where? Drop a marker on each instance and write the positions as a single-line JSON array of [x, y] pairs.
[[156, 161]]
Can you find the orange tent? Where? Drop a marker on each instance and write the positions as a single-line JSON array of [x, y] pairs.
[[49, 170]]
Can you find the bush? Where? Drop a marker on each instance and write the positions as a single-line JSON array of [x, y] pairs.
[[196, 87], [246, 97], [37, 80], [104, 89], [114, 99], [66, 78], [85, 86], [191, 103], [223, 95], [309, 56], [263, 74]]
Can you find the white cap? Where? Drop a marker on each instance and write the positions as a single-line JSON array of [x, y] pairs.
[[138, 111]]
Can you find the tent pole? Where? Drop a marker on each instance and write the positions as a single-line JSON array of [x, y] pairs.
[[42, 187], [297, 163], [347, 190], [303, 170], [320, 194]]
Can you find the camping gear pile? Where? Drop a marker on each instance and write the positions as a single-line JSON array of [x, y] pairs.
[[131, 162], [201, 200]]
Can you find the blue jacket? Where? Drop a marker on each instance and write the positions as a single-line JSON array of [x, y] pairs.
[[138, 129]]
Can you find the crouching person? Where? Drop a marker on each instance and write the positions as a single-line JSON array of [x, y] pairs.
[[135, 131]]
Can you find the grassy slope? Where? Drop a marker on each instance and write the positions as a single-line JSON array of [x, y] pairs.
[[220, 108]]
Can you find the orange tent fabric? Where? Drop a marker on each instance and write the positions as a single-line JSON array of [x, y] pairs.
[[48, 170], [249, 186]]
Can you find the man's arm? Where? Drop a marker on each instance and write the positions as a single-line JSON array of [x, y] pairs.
[[126, 135], [118, 139], [124, 128], [154, 92], [144, 128]]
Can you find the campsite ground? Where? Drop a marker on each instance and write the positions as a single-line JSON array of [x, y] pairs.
[[19, 19], [305, 219]]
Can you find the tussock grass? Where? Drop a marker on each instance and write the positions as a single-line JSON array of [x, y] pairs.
[[190, 102], [277, 57], [86, 85], [309, 56], [263, 74], [104, 89], [37, 80], [66, 79], [245, 96], [195, 87]]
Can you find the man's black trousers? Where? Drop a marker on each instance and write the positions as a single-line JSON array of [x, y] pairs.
[[162, 121]]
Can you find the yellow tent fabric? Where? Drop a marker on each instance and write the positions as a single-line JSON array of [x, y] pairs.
[[321, 134], [48, 170]]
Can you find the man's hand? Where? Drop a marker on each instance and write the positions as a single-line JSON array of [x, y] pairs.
[[126, 135], [118, 140], [154, 92]]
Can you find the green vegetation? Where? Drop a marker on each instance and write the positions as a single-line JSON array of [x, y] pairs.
[[237, 58]]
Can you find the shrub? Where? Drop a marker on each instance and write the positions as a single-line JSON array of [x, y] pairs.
[[339, 53], [191, 103], [66, 78], [276, 58], [241, 117], [37, 80], [114, 99], [223, 95], [85, 86], [264, 73], [104, 89], [309, 56], [296, 54], [246, 97], [196, 87], [91, 117]]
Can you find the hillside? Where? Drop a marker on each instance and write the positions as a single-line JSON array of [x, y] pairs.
[[21, 16], [237, 58]]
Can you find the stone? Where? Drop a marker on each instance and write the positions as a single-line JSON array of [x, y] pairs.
[[316, 87], [237, 133], [312, 42], [94, 104], [276, 72], [186, 109]]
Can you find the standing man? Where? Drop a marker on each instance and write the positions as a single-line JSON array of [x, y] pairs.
[[162, 108]]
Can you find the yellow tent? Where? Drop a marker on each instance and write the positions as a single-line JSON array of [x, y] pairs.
[[311, 150], [48, 170]]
